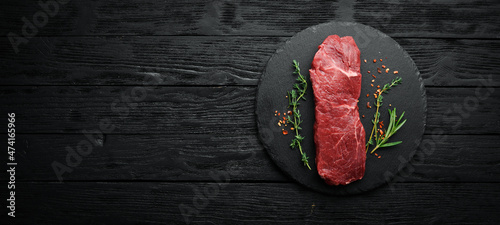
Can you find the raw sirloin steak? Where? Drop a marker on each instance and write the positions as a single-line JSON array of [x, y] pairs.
[[338, 133]]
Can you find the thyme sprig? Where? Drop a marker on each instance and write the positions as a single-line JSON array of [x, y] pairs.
[[294, 96], [384, 136]]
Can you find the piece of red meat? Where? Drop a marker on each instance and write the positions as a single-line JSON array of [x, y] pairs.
[[338, 133]]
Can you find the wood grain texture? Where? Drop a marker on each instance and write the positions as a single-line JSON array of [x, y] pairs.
[[126, 60], [456, 158], [196, 122], [214, 60], [204, 110], [399, 18], [251, 203]]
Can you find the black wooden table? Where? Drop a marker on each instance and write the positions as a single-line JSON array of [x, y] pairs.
[[142, 112]]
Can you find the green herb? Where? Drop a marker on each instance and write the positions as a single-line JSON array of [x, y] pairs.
[[394, 125], [380, 140], [294, 97]]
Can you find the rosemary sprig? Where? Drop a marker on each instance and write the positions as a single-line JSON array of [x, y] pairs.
[[394, 125], [294, 97], [375, 121]]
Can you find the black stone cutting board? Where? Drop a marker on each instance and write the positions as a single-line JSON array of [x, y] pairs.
[[278, 78]]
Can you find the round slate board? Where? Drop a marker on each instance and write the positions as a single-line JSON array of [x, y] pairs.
[[278, 78]]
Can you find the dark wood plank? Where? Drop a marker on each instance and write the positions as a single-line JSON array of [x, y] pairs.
[[470, 19], [253, 203], [147, 157], [139, 109], [203, 110], [126, 60], [456, 158], [214, 60], [458, 110]]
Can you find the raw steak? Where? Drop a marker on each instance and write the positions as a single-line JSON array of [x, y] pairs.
[[338, 133]]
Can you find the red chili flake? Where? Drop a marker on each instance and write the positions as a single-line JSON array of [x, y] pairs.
[[374, 76], [396, 72], [371, 85], [284, 119], [285, 132], [375, 95], [380, 60], [291, 128], [365, 60], [376, 154], [367, 95], [368, 105], [379, 70], [363, 116], [378, 86], [368, 71], [279, 114], [373, 81], [289, 112], [378, 157], [374, 61], [387, 70]]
